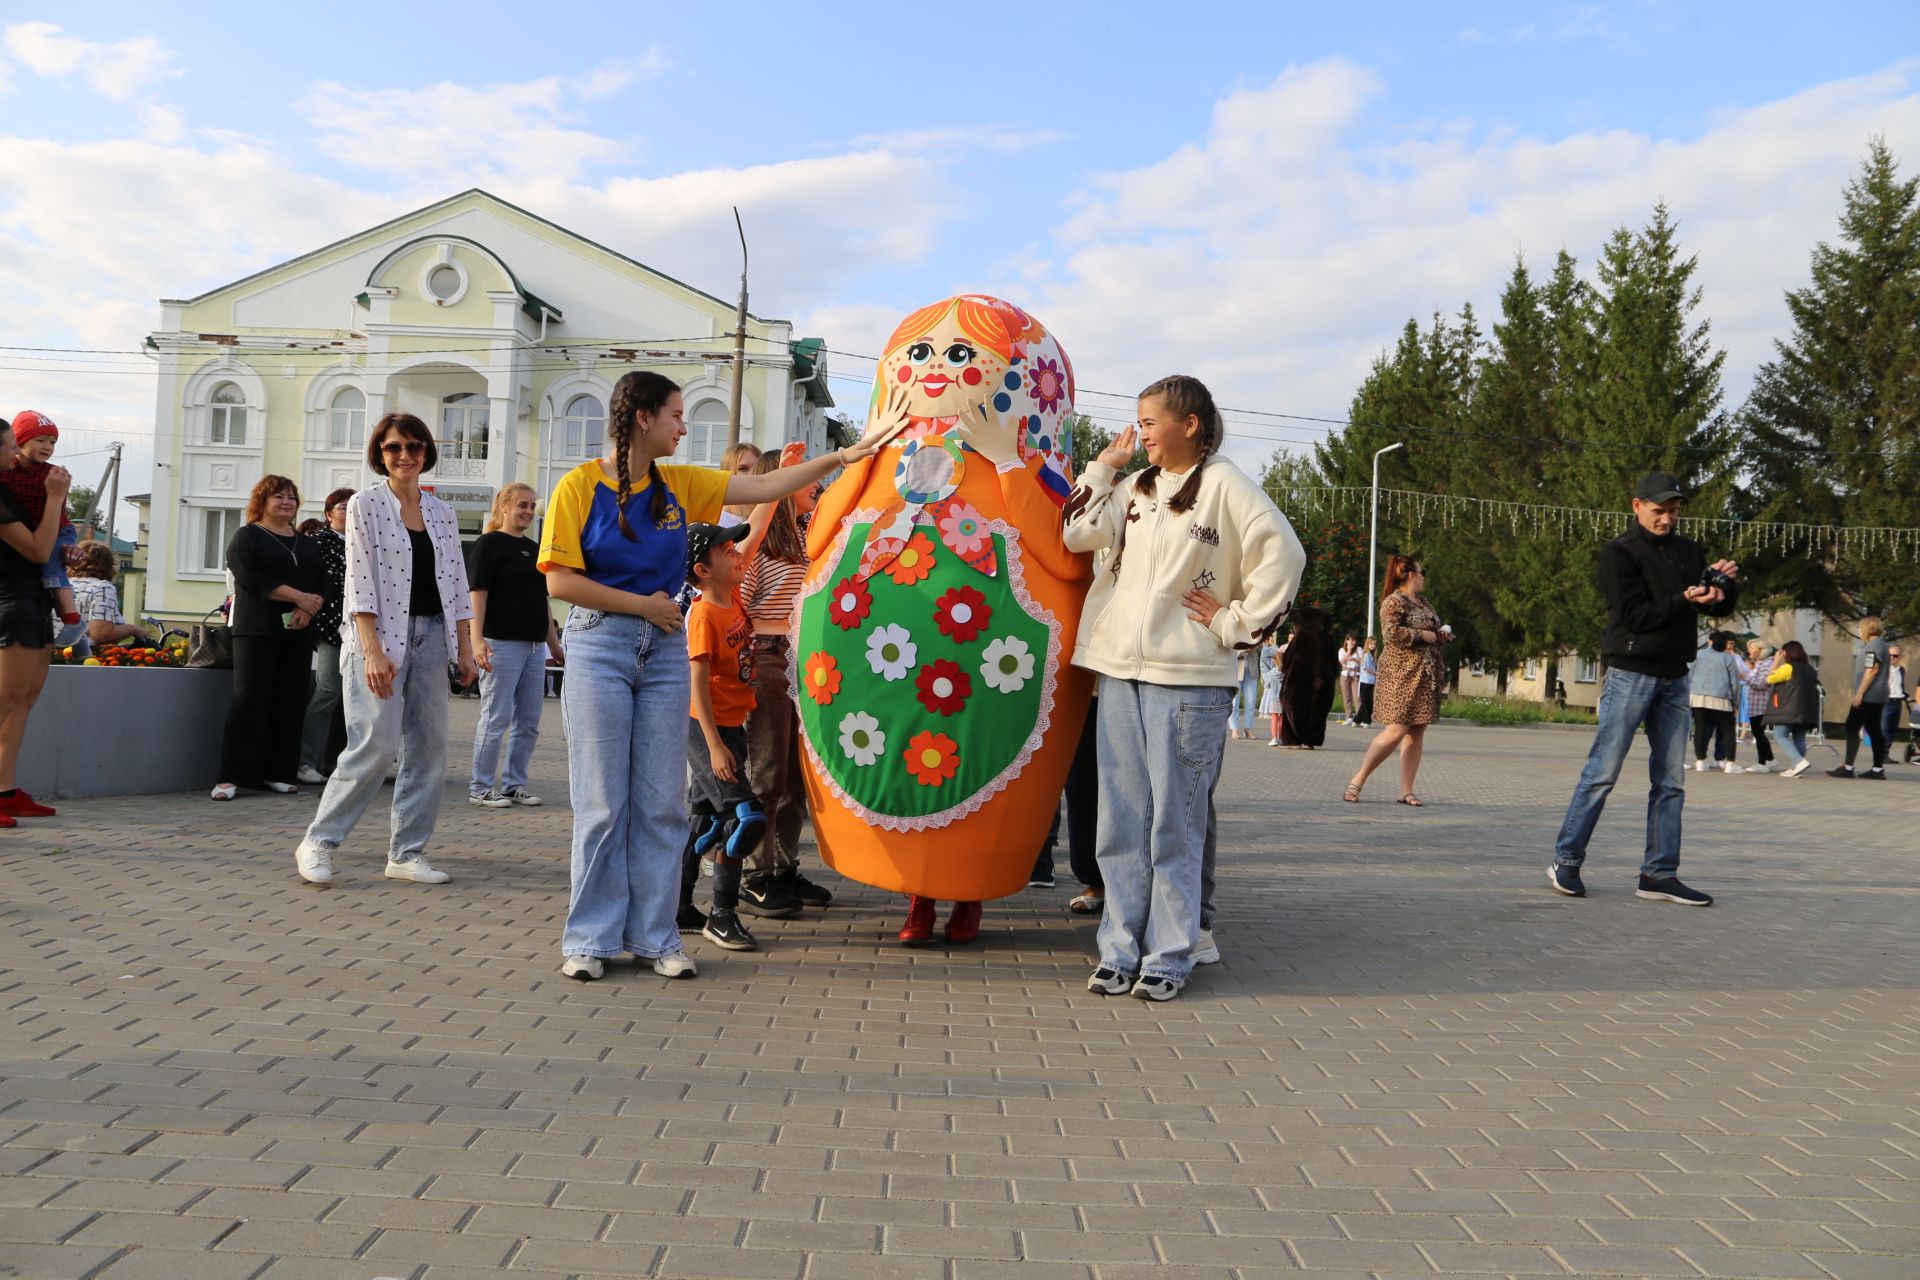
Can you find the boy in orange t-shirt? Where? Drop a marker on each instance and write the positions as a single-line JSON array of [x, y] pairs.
[[726, 823]]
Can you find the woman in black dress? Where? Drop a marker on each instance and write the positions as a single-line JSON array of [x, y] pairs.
[[1309, 669]]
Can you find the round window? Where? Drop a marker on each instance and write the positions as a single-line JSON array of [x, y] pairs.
[[444, 282]]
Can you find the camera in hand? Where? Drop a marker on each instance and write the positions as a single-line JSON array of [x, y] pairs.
[[1715, 580]]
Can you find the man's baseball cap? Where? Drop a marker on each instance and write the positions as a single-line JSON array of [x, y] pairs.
[[702, 538], [1658, 486]]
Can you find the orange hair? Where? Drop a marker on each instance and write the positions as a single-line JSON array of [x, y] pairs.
[[994, 324]]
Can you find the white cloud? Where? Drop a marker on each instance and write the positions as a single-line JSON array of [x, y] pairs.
[[986, 137], [118, 71]]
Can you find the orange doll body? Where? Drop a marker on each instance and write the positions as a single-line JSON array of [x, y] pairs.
[[939, 706]]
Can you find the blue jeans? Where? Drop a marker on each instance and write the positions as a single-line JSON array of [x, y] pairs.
[[53, 574], [625, 702], [411, 724], [1626, 699], [510, 697], [1792, 741], [1247, 698], [1160, 752]]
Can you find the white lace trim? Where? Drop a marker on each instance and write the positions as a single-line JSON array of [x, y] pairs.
[[1049, 686]]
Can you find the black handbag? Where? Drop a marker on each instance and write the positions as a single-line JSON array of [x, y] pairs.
[[210, 644]]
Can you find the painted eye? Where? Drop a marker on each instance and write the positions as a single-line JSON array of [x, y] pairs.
[[960, 354], [920, 353]]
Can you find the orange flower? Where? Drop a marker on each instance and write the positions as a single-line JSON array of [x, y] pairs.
[[932, 757], [822, 678], [914, 562]]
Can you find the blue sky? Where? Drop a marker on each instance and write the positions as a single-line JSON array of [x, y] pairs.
[[1257, 193]]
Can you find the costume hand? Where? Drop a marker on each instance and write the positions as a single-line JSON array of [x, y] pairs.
[[994, 436], [483, 654], [662, 611], [1119, 453], [882, 426], [379, 674], [1201, 605], [722, 761]]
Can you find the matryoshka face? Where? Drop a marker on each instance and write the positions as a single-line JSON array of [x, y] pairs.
[[944, 372]]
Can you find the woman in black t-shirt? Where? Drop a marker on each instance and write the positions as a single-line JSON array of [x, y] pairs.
[[279, 584], [26, 625], [513, 635]]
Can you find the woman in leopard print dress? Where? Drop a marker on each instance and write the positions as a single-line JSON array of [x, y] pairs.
[[1407, 698]]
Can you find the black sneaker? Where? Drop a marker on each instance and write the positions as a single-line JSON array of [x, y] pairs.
[[1671, 890], [725, 930], [1041, 882], [1874, 775], [1566, 880], [764, 895], [798, 886], [692, 919], [1844, 771]]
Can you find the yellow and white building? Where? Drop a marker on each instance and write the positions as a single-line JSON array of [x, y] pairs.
[[502, 331]]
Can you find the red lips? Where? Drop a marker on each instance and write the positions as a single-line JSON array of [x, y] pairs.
[[934, 383]]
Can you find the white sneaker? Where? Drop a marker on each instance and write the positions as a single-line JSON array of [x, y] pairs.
[[1760, 768], [1273, 742], [310, 775], [676, 964], [1699, 766], [1731, 767], [490, 800], [314, 863], [1798, 769], [419, 870], [585, 968], [520, 795], [1206, 951]]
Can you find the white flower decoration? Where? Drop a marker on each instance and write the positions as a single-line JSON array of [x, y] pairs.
[[862, 738], [1007, 665], [891, 652]]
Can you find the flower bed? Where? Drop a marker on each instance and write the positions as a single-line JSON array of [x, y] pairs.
[[116, 731]]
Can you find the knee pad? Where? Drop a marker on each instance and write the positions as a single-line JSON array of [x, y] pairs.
[[708, 835], [747, 825]]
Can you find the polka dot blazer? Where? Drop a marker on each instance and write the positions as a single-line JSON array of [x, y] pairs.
[[380, 569]]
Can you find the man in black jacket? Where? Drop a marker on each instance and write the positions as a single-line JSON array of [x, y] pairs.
[[1655, 582]]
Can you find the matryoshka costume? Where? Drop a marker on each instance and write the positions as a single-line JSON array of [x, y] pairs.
[[934, 638]]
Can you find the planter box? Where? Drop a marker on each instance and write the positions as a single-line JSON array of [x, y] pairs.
[[121, 731]]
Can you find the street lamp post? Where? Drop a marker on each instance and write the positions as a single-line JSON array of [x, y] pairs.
[[1373, 539]]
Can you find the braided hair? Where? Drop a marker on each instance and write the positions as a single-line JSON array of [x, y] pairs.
[[638, 392], [1183, 396]]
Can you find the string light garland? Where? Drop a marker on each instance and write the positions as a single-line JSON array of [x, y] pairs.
[[1491, 514]]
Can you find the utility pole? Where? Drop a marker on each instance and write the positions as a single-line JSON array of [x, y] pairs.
[[739, 339], [1373, 543], [113, 494]]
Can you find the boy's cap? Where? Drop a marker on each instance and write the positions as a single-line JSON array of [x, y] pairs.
[[29, 423], [702, 538], [1658, 486]]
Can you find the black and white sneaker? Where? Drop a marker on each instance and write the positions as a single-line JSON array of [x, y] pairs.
[[1041, 882], [1153, 987], [1671, 890], [1844, 771], [691, 919], [725, 930], [1109, 982], [1566, 880], [764, 895], [1874, 775], [798, 886]]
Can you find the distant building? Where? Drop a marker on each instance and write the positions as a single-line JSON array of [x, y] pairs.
[[503, 332]]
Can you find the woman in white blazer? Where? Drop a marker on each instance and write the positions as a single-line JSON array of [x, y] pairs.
[[406, 598]]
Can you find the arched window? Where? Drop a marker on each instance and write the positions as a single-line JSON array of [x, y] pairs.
[[463, 427], [582, 425], [227, 420], [347, 419], [706, 434]]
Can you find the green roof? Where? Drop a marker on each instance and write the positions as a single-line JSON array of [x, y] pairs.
[[806, 353]]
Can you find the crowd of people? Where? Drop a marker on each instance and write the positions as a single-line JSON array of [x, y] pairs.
[[350, 632]]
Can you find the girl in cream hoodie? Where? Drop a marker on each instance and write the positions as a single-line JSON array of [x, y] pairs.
[[1200, 564]]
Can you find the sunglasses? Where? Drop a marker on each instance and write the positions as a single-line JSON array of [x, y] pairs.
[[412, 448]]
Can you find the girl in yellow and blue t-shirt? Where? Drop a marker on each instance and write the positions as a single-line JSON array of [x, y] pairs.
[[615, 548]]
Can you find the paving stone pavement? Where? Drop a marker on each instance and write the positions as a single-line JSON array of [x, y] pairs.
[[1414, 1060]]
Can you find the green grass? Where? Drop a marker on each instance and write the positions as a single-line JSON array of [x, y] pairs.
[[1497, 711]]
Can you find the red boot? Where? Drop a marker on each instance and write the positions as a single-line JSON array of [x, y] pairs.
[[22, 805], [964, 924], [918, 930]]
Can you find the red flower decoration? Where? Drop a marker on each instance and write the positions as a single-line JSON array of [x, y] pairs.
[[822, 681], [962, 614], [943, 686], [932, 758], [851, 604]]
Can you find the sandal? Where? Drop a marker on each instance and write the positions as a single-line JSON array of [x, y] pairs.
[[1412, 800], [1088, 904], [1352, 794], [225, 791]]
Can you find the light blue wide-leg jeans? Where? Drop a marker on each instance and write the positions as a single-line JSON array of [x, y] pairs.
[[625, 702], [1160, 748], [411, 724], [510, 697]]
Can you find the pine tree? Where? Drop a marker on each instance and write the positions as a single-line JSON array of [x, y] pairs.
[[1832, 427]]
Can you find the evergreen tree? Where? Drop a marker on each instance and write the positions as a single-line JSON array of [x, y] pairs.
[[1832, 427]]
